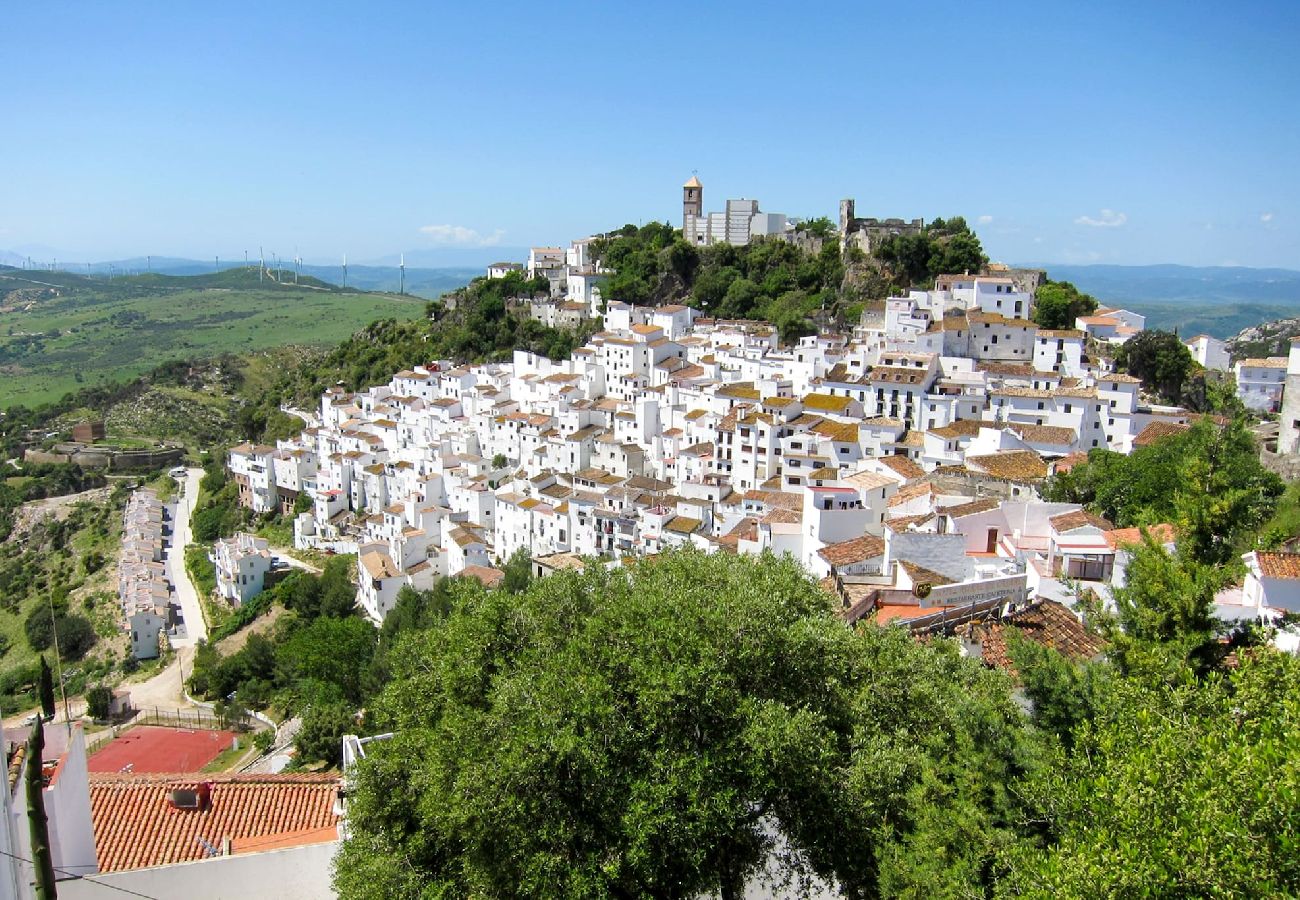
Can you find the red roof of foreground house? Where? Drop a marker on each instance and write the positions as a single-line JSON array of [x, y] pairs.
[[136, 826]]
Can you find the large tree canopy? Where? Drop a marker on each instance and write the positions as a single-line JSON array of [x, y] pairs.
[[1183, 790], [647, 731], [1057, 304]]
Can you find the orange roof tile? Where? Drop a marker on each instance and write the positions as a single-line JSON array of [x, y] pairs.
[[1078, 518], [1047, 623], [856, 550], [1127, 537], [1279, 565], [136, 826], [1157, 431]]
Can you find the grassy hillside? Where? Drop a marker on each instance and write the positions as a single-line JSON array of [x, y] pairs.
[[59, 331], [62, 559]]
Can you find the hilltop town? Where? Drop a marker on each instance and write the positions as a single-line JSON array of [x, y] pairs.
[[936, 464], [900, 461]]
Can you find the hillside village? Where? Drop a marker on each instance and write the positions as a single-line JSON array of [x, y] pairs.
[[903, 461], [900, 462]]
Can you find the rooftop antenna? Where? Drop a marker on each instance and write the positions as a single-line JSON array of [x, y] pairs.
[[401, 268]]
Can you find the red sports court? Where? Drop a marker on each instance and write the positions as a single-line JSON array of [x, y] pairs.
[[152, 748]]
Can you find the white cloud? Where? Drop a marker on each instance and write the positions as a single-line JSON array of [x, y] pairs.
[[984, 220], [460, 236], [1108, 219], [1266, 217]]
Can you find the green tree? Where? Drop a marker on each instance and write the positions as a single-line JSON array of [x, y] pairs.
[[1186, 790], [518, 571], [1164, 627], [323, 726], [336, 651], [1160, 359], [644, 731], [46, 690], [338, 594], [1057, 304], [99, 702]]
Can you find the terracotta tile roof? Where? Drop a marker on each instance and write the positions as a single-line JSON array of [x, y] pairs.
[[1279, 565], [1273, 362], [984, 504], [960, 428], [1015, 465], [920, 574], [1046, 434], [825, 402], [1047, 623], [1129, 537], [776, 499], [1069, 461], [844, 432], [911, 492], [486, 575], [136, 826], [908, 468], [682, 525], [856, 550], [1156, 431], [903, 523], [745, 530], [1079, 518]]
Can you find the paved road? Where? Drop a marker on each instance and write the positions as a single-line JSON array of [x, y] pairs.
[[281, 555], [188, 598]]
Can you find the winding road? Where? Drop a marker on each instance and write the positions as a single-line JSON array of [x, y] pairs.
[[186, 596]]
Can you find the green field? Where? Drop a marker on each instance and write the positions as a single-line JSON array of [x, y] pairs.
[[59, 331]]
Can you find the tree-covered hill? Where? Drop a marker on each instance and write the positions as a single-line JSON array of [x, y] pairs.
[[796, 285]]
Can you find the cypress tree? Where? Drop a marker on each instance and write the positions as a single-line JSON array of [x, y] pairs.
[[47, 690]]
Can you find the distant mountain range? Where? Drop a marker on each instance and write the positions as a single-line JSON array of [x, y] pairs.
[[1216, 300], [421, 281]]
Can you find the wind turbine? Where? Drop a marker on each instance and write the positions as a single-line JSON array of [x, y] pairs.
[[261, 264], [345, 270], [401, 268], [297, 264]]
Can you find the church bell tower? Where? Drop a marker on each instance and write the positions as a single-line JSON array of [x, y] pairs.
[[692, 202]]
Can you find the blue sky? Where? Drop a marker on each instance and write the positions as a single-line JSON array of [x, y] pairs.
[[1102, 132]]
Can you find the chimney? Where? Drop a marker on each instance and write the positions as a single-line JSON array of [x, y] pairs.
[[225, 846]]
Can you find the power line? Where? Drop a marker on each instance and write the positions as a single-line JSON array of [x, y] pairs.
[[86, 878]]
